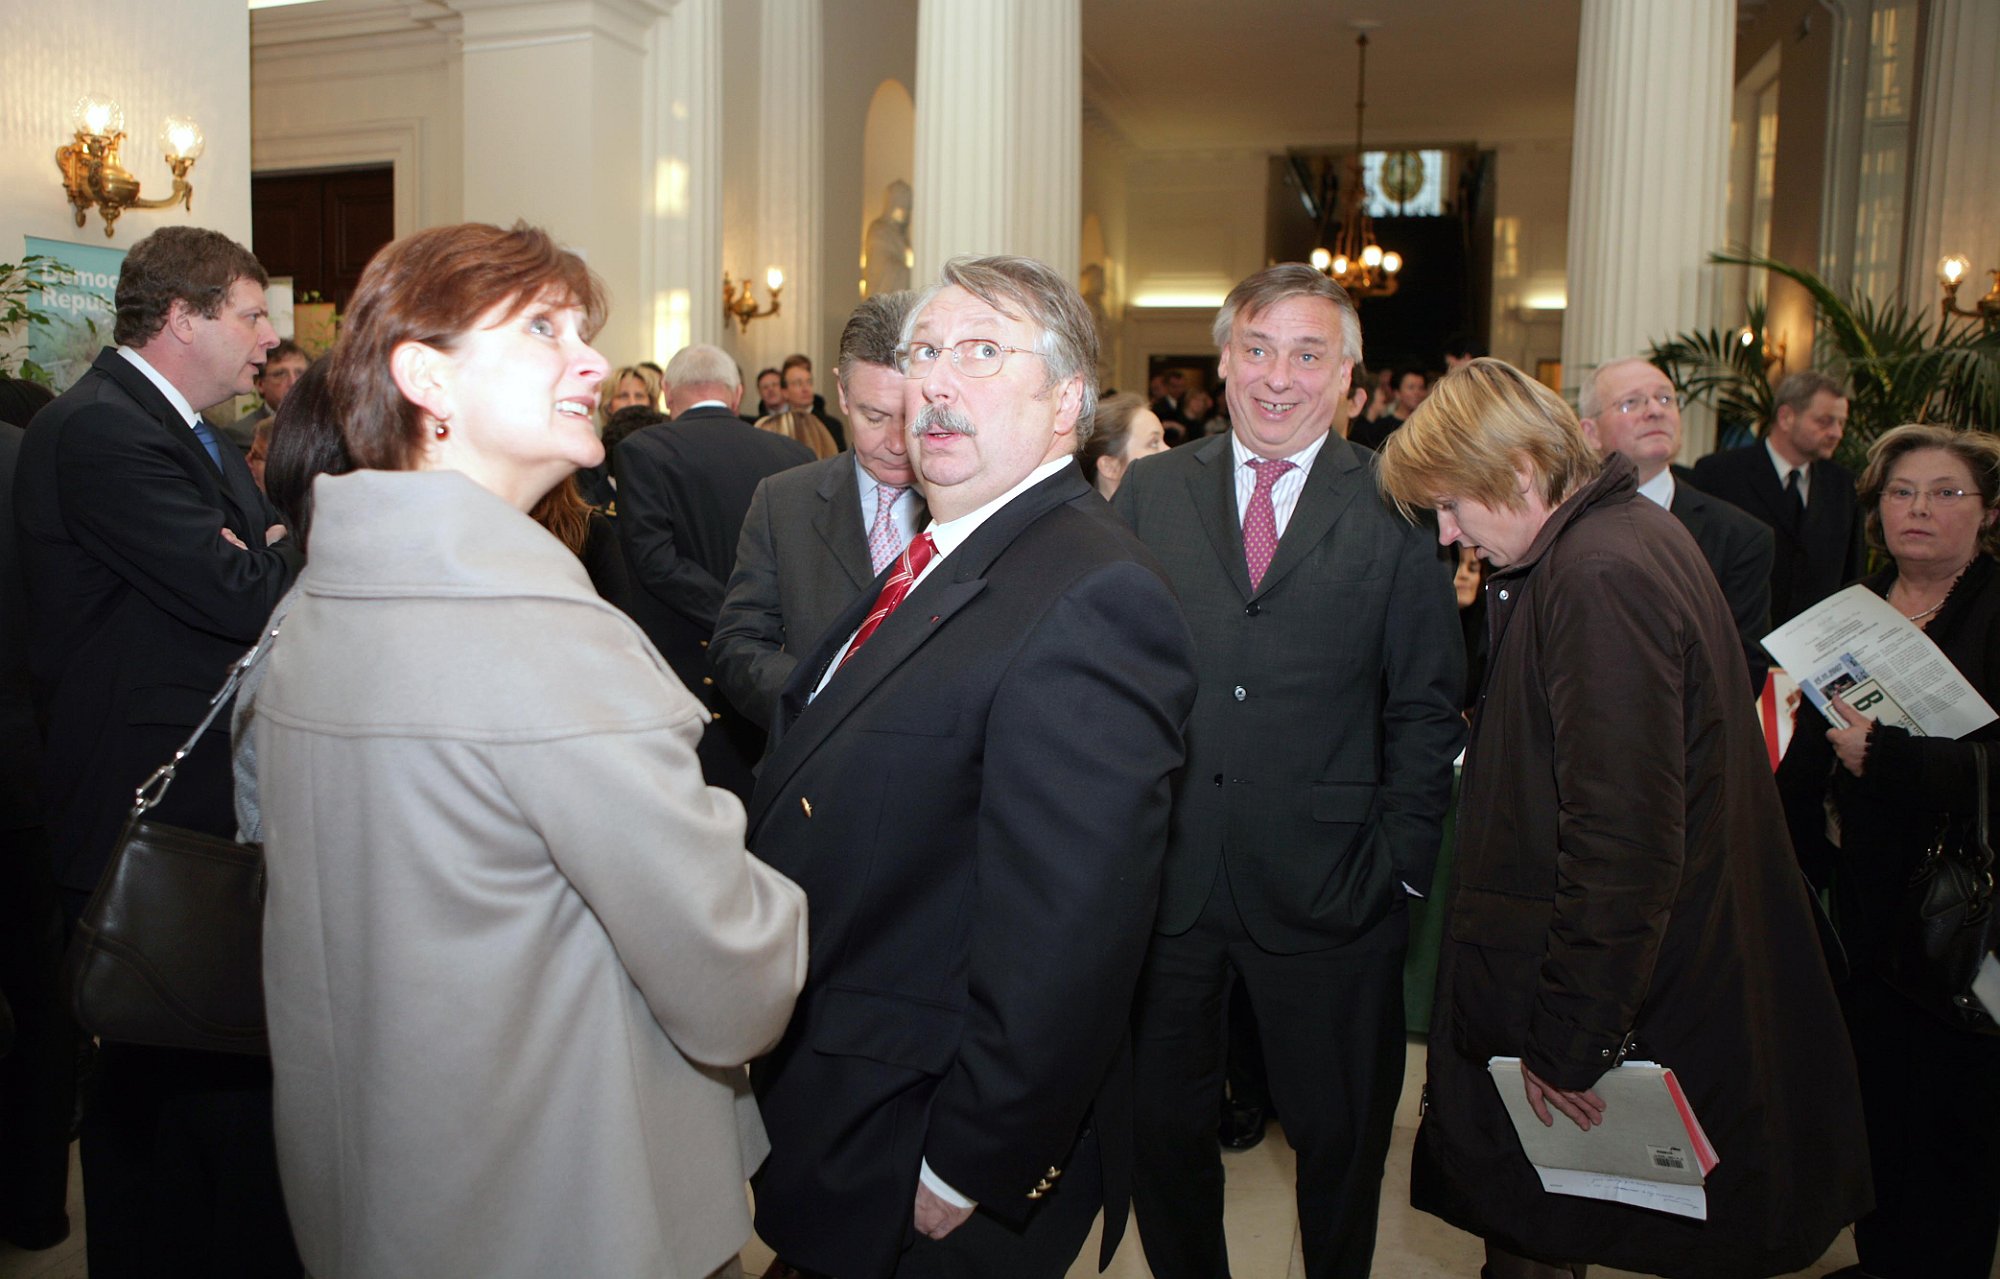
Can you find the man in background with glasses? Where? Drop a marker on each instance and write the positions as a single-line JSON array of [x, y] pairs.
[[1628, 406], [1790, 481], [971, 782]]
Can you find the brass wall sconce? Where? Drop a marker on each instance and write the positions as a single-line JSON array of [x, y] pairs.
[[740, 305], [1953, 270], [1773, 351], [93, 176]]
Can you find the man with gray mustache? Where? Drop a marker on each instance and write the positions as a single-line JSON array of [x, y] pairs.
[[970, 781]]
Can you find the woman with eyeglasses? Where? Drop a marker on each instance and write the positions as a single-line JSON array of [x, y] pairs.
[[1930, 1089]]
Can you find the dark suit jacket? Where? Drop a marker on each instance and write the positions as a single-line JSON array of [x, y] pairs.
[[1319, 755], [976, 806], [20, 728], [1811, 562], [802, 559], [683, 487], [1740, 551], [139, 605]]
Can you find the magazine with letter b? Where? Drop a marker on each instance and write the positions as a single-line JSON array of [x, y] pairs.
[[1853, 645], [1649, 1152]]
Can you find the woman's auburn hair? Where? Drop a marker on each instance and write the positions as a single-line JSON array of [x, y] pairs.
[[433, 287], [1479, 427]]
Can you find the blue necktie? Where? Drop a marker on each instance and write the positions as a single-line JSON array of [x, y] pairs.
[[206, 435]]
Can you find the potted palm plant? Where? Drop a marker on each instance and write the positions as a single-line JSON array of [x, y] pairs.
[[1899, 367]]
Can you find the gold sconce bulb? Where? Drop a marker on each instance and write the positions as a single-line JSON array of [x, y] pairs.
[[94, 177], [739, 303]]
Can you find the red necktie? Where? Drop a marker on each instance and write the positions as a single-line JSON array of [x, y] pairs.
[[1260, 521], [915, 556]]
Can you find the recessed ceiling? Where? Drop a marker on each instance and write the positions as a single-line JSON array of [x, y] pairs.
[[1271, 74]]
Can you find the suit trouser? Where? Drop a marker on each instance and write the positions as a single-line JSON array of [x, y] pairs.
[[180, 1164], [1331, 1022], [38, 1078]]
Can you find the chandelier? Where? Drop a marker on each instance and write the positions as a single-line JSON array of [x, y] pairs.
[[1357, 261]]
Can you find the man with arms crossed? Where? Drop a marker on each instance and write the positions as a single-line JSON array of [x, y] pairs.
[[152, 562]]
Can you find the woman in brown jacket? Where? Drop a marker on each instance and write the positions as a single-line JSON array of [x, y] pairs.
[[1624, 885]]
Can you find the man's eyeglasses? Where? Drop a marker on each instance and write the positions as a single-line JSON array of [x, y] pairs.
[[1635, 403], [974, 357], [1903, 495]]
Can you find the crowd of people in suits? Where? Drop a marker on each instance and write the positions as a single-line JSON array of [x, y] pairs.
[[964, 765]]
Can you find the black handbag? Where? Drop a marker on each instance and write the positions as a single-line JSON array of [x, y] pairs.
[[169, 951], [1949, 920]]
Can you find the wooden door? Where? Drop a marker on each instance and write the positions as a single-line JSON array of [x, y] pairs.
[[321, 227]]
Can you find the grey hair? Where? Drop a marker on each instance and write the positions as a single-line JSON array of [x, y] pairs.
[[1273, 285], [1798, 389], [1590, 395], [874, 333], [1024, 289], [703, 365]]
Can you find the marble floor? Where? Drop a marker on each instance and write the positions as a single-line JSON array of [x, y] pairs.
[[1261, 1224]]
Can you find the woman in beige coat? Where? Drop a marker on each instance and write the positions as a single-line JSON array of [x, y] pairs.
[[515, 952]]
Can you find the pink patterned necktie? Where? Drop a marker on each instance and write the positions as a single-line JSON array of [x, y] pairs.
[[883, 542], [918, 554], [1260, 520]]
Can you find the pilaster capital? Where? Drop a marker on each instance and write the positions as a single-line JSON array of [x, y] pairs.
[[506, 24]]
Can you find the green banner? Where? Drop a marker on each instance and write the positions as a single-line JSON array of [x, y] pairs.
[[79, 283]]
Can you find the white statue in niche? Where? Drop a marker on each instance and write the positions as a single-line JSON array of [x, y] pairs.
[[1090, 283], [886, 257]]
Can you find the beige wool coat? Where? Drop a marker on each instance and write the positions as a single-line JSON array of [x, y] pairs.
[[515, 953]]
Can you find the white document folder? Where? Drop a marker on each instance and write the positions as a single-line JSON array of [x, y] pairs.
[[1650, 1151]]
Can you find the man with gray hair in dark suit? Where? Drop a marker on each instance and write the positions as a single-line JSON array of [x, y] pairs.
[[1319, 766], [817, 536]]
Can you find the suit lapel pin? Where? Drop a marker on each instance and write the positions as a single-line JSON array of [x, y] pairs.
[[807, 805]]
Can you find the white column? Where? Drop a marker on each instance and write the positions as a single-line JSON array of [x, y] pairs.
[[999, 132], [1955, 187], [555, 111], [790, 195], [1048, 193], [1648, 165], [681, 254]]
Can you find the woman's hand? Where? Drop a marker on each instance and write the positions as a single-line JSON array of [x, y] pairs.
[[1850, 743], [1586, 1108]]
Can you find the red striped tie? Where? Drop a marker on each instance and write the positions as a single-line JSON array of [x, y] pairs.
[[915, 556]]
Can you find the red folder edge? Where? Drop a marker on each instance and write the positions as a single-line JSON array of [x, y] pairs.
[[1703, 1151]]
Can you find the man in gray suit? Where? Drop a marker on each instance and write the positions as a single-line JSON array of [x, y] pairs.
[[817, 536], [1318, 771]]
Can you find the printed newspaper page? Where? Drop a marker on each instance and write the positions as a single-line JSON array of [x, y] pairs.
[[1855, 646]]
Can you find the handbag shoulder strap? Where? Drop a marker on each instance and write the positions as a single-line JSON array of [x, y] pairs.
[[154, 788], [1981, 755]]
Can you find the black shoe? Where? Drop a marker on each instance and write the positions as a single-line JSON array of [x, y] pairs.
[[1242, 1127], [34, 1236]]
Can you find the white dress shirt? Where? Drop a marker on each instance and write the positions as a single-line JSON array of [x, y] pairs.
[[168, 389], [1285, 492], [1660, 488], [1785, 468], [904, 512]]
